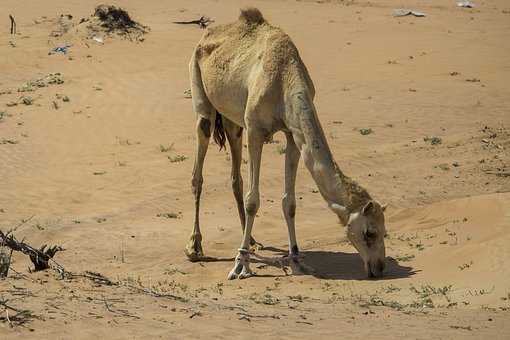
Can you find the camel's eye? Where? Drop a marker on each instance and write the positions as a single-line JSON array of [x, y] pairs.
[[369, 236]]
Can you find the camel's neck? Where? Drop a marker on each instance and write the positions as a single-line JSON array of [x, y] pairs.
[[333, 185]]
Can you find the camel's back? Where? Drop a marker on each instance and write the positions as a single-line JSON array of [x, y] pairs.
[[232, 55]]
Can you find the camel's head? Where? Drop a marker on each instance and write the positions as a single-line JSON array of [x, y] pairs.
[[366, 231]]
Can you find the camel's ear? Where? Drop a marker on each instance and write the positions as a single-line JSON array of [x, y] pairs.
[[368, 208], [383, 207], [339, 209]]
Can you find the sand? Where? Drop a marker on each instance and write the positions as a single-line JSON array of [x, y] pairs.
[[91, 174]]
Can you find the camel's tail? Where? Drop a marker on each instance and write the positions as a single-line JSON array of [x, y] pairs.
[[219, 131]]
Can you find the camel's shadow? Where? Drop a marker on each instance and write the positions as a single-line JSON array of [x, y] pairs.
[[331, 265]]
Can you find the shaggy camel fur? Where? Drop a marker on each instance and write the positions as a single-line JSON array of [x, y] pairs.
[[248, 74]]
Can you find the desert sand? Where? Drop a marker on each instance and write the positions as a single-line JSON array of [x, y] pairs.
[[101, 164]]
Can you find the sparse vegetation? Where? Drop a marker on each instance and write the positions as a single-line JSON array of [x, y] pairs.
[[126, 141], [365, 131], [27, 100], [391, 289], [15, 316], [404, 258], [50, 79], [297, 298], [480, 292], [8, 141], [173, 270], [374, 300], [466, 265], [433, 140], [177, 158], [425, 292], [164, 148], [149, 205], [169, 215], [467, 328], [266, 299]]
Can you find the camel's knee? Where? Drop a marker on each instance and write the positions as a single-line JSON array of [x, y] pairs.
[[289, 206], [252, 204]]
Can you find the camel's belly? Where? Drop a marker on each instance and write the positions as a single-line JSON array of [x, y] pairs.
[[227, 85], [228, 100]]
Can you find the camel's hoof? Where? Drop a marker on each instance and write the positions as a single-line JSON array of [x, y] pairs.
[[194, 250], [234, 273], [241, 268], [193, 256], [245, 274]]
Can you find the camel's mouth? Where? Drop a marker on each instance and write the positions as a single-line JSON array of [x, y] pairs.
[[375, 269]]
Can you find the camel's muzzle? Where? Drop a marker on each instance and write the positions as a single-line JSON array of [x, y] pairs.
[[375, 269]]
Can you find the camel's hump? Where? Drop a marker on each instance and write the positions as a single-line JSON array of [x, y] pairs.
[[251, 15]]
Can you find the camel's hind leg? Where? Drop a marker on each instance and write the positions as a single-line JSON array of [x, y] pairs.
[[235, 140], [205, 118], [194, 247]]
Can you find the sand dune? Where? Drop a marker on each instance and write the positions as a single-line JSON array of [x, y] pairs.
[[96, 176]]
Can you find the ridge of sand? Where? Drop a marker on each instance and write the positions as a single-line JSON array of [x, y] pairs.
[[93, 175]]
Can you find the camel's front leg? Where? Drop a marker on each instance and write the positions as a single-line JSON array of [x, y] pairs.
[[255, 143], [292, 155], [193, 249]]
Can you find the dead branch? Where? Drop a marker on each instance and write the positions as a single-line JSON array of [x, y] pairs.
[[154, 293], [13, 24], [21, 317], [39, 257], [95, 277], [5, 263], [103, 280], [119, 312], [497, 173], [195, 314], [23, 221], [262, 316], [203, 22]]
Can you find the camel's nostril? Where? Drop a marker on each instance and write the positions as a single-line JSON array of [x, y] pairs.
[[375, 269]]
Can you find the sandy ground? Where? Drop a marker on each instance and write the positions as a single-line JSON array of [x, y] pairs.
[[92, 176]]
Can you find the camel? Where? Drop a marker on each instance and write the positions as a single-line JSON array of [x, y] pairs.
[[249, 75]]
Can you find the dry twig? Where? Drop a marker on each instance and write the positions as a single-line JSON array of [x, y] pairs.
[[21, 317], [39, 257], [203, 22], [13, 24], [497, 173]]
